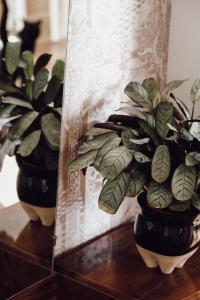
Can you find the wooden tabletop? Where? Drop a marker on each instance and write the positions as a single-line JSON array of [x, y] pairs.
[[29, 239], [111, 263]]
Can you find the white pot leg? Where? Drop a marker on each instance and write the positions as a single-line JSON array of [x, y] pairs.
[[35, 213], [29, 209]]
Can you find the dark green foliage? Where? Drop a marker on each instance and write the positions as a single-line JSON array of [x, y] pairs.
[[155, 147], [30, 105]]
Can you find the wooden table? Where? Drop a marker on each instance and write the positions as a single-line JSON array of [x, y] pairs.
[[112, 265], [25, 238]]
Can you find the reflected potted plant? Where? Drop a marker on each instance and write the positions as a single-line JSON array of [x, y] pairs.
[[31, 100], [151, 151]]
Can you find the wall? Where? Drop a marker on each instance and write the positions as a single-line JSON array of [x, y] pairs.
[[184, 45], [111, 42]]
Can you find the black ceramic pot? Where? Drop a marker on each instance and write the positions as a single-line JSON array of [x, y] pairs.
[[164, 238], [37, 191]]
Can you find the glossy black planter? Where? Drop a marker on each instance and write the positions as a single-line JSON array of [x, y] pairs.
[[163, 231], [36, 185], [37, 191]]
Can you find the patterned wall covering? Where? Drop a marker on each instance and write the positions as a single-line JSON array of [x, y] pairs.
[[110, 43]]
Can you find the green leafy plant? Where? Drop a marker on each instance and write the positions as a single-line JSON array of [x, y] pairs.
[[30, 105], [153, 147]]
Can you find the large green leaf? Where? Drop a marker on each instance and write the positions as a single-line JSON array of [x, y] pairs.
[[52, 90], [29, 89], [12, 55], [82, 161], [136, 184], [97, 131], [113, 193], [22, 125], [151, 87], [138, 94], [172, 85], [196, 201], [126, 136], [16, 101], [59, 69], [97, 142], [158, 196], [6, 120], [195, 130], [110, 144], [4, 149], [148, 130], [9, 88], [115, 161], [164, 114], [29, 143], [195, 91], [27, 57], [132, 111], [51, 127], [6, 111], [192, 159], [161, 164], [183, 182], [40, 82]]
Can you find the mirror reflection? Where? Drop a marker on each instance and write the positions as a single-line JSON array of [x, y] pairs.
[[32, 51]]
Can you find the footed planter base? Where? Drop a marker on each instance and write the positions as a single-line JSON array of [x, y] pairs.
[[167, 264], [36, 213], [165, 238]]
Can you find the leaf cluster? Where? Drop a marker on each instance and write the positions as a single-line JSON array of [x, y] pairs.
[[30, 105], [154, 146]]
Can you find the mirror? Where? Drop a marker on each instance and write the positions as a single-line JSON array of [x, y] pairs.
[[31, 87]]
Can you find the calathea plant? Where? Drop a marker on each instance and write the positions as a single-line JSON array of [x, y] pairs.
[[31, 100], [154, 146]]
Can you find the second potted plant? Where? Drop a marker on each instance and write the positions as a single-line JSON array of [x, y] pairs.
[[31, 100]]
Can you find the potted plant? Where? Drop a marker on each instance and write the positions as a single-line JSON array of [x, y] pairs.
[[30, 106], [152, 152]]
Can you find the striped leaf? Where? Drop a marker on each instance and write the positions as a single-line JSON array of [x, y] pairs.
[[195, 130], [158, 196], [126, 136], [148, 130], [164, 114], [111, 144], [183, 182], [113, 193], [192, 159], [141, 157], [115, 161], [29, 143], [82, 161], [97, 142], [160, 168], [196, 201], [96, 131], [195, 91], [22, 125], [27, 57], [172, 85], [12, 56], [138, 94], [136, 184], [51, 129], [151, 87], [40, 82], [16, 101]]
